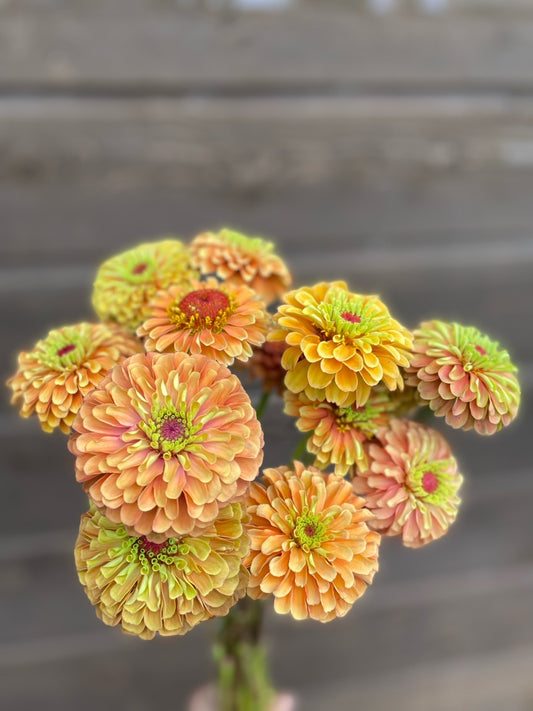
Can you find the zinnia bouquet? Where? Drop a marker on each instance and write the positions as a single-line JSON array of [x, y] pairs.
[[182, 525]]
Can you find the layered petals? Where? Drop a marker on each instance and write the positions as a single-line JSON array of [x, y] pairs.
[[337, 434], [237, 259], [208, 318], [167, 587], [311, 547], [53, 378], [341, 344], [411, 483], [464, 376], [127, 282], [165, 442]]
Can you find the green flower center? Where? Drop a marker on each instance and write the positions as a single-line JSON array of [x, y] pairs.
[[363, 418], [479, 352], [65, 349], [310, 531], [138, 267], [431, 482], [152, 556], [347, 315], [202, 309], [169, 430]]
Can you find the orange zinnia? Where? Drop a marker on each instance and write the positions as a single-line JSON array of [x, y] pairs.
[[238, 259], [165, 441], [311, 547], [206, 317], [53, 378]]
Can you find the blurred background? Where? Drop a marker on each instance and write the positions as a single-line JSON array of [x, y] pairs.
[[386, 143]]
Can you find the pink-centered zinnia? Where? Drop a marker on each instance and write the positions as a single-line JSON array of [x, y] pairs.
[[341, 344], [411, 483], [165, 442], [311, 547], [206, 317], [167, 587], [127, 282], [53, 378], [337, 434], [464, 376], [238, 259]]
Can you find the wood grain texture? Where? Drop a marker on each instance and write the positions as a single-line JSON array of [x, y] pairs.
[[163, 47]]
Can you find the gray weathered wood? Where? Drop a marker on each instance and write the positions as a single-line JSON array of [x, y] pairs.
[[310, 46]]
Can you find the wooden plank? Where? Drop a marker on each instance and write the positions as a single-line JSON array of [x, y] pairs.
[[252, 145], [171, 49]]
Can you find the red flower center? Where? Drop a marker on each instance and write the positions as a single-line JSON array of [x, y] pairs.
[[430, 483], [310, 530], [66, 349], [173, 429], [150, 546], [139, 268], [352, 318], [481, 350], [206, 303]]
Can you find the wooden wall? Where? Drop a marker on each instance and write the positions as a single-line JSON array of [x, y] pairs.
[[394, 151]]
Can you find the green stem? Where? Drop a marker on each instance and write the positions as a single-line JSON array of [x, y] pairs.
[[262, 404], [243, 679], [300, 453]]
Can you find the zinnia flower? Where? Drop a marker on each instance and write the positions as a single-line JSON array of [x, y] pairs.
[[165, 587], [127, 282], [311, 547], [54, 377], [464, 376], [238, 259], [411, 484], [206, 317], [337, 433], [165, 441], [340, 344]]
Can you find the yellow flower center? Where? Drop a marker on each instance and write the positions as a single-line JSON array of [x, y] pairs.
[[202, 309]]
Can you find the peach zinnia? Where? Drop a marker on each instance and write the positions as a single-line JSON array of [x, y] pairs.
[[337, 433], [206, 317], [340, 344], [464, 376], [238, 259], [165, 441], [127, 282], [167, 587], [411, 483], [311, 547], [53, 378]]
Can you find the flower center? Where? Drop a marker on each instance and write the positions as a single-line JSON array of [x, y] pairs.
[[429, 482], [366, 418], [168, 430], [173, 429], [139, 268], [202, 309], [480, 350], [206, 303], [151, 556], [351, 318], [309, 531], [66, 349]]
